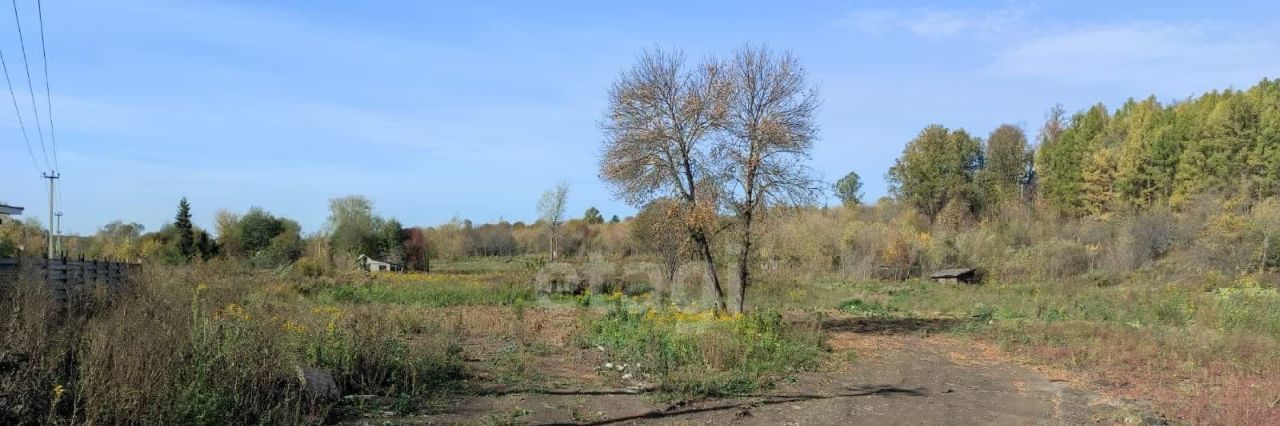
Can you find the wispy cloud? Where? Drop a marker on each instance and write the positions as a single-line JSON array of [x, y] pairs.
[[1144, 50], [936, 23]]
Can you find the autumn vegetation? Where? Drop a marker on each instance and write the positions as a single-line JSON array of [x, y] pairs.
[[1135, 246]]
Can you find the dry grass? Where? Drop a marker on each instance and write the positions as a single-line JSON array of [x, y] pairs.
[[209, 344], [1202, 357]]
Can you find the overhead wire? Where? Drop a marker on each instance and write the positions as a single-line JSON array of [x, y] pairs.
[[30, 88], [18, 111], [48, 97]]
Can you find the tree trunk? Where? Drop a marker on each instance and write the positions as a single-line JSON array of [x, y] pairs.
[[744, 262], [705, 245], [1266, 246], [551, 244]]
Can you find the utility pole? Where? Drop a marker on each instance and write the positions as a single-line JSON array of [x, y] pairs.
[[59, 227], [51, 176]]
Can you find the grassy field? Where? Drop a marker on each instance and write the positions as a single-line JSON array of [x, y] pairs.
[[435, 290], [218, 344], [234, 341], [1206, 356]]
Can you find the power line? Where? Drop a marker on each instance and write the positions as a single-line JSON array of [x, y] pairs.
[[48, 98], [30, 89], [18, 111]]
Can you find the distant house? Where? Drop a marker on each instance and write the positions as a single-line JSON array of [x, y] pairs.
[[955, 276], [7, 212], [374, 265]]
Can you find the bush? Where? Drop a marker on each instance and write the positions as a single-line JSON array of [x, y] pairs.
[[560, 278], [644, 276], [692, 284], [1052, 259], [1249, 308], [602, 277]]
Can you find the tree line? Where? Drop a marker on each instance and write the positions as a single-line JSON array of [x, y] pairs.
[[262, 239], [1097, 162]]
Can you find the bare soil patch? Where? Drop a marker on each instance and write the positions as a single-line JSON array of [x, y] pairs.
[[880, 373]]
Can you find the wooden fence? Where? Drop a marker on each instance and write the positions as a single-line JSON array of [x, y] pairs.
[[69, 278]]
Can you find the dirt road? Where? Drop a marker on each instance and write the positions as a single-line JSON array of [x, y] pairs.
[[897, 379]]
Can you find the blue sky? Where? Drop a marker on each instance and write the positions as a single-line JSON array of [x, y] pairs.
[[436, 109]]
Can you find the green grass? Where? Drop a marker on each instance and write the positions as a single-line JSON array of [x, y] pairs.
[[861, 307], [1229, 310], [481, 265], [430, 292], [698, 354]]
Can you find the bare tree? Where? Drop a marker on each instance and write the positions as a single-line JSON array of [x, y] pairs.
[[551, 210], [657, 134], [769, 132]]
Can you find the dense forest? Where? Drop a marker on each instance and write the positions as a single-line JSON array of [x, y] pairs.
[[1097, 162]]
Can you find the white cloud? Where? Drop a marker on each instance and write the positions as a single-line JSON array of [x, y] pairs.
[[936, 23], [1143, 51]]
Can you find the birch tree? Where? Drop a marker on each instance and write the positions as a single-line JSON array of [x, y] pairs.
[[551, 210]]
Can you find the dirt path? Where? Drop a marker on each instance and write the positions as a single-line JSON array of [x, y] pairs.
[[898, 379]]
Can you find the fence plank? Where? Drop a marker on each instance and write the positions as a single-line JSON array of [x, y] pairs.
[[68, 278]]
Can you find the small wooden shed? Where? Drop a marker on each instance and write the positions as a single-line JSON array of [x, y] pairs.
[[955, 276], [375, 265]]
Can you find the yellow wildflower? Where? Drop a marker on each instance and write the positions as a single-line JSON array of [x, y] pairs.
[[233, 311], [332, 311], [294, 327]]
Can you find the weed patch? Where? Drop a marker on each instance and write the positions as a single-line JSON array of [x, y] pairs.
[[431, 290], [701, 354]]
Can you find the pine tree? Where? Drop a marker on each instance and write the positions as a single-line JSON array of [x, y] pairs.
[[1061, 164], [592, 216], [849, 189], [182, 223], [1098, 182]]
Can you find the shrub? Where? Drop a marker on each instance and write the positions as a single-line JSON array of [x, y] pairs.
[[560, 278], [602, 277], [644, 276], [1249, 308], [799, 243], [691, 284], [1052, 259]]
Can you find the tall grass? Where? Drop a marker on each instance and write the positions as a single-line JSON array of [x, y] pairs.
[[207, 345]]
